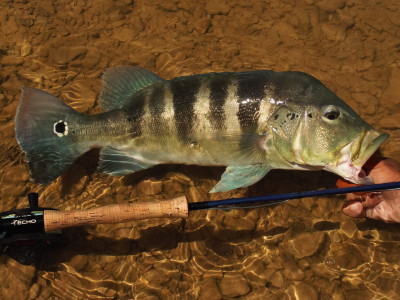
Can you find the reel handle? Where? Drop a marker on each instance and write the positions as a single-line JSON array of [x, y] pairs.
[[55, 220]]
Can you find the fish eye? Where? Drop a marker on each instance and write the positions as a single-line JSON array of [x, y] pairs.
[[331, 113]]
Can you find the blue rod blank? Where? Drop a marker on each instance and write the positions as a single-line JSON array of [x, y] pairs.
[[278, 198]]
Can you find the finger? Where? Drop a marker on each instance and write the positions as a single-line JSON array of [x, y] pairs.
[[341, 183], [372, 199], [354, 197], [386, 170], [354, 209]]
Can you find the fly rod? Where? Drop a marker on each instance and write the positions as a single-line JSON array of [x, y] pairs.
[[25, 232], [47, 220]]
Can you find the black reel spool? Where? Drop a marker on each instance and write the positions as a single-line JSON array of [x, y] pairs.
[[22, 235]]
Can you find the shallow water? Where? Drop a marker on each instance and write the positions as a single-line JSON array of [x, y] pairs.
[[303, 249]]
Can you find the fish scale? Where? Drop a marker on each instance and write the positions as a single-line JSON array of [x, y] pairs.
[[250, 91], [156, 108], [202, 109], [218, 96], [184, 91], [231, 109], [251, 122], [136, 114]]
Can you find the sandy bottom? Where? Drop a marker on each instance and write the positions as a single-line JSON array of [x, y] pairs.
[[304, 249]]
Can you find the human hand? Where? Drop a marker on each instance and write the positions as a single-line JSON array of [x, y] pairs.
[[383, 205]]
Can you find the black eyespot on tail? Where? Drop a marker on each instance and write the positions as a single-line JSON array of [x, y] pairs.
[[60, 127]]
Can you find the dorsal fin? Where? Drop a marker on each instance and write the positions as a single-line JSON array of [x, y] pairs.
[[120, 83]]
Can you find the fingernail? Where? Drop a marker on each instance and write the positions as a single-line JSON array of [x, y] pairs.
[[353, 208]]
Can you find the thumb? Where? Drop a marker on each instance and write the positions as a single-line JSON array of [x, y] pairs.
[[354, 209]]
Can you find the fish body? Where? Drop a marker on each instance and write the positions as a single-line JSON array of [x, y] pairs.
[[251, 122]]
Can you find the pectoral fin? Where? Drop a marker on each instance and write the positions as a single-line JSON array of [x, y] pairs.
[[115, 162], [240, 176]]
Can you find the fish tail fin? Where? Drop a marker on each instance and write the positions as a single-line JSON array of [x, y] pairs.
[[41, 129]]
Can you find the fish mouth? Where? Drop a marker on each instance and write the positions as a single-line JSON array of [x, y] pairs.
[[354, 155]]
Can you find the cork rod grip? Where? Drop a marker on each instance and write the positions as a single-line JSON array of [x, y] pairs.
[[56, 220]]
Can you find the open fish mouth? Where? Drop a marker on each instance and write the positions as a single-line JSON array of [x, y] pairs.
[[370, 149], [353, 156]]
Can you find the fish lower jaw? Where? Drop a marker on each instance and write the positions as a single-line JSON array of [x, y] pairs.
[[350, 163], [352, 169], [348, 171], [360, 177]]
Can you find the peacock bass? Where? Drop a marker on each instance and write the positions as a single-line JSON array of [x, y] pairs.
[[251, 122]]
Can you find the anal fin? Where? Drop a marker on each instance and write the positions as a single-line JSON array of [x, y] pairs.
[[119, 163], [240, 176]]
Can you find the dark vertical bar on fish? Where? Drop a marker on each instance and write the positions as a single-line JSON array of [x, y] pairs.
[[157, 100], [136, 114], [218, 95], [184, 91], [251, 90], [156, 108]]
